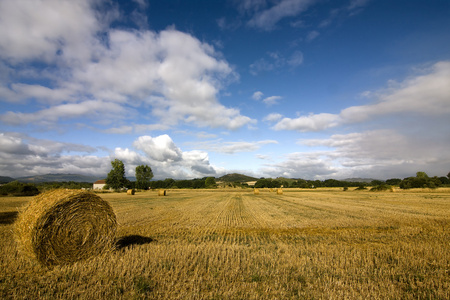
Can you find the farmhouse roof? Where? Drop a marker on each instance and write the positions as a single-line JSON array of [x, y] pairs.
[[101, 181]]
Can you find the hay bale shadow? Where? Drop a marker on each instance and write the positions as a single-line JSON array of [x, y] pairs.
[[7, 218], [129, 240]]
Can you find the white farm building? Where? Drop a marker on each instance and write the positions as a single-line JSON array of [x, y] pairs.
[[99, 184]]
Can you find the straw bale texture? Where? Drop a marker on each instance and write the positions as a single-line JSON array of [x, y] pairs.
[[279, 192], [256, 191], [131, 192], [162, 193], [64, 226]]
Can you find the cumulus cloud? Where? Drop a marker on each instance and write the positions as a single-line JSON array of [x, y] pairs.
[[273, 117], [426, 95], [379, 154], [170, 75], [166, 159], [63, 27], [21, 155], [386, 153], [312, 122], [302, 165], [271, 100], [161, 148]]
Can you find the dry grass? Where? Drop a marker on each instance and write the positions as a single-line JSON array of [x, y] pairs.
[[233, 244]]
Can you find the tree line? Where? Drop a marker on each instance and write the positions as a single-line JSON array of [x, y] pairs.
[[116, 180], [421, 180]]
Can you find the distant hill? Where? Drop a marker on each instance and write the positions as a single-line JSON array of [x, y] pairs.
[[5, 179], [236, 178], [58, 178]]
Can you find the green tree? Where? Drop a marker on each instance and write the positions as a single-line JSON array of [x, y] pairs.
[[422, 175], [16, 188], [393, 181], [116, 177], [210, 182], [143, 176]]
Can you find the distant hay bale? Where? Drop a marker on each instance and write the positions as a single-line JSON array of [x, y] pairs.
[[279, 192], [256, 191], [64, 226], [162, 193], [131, 192]]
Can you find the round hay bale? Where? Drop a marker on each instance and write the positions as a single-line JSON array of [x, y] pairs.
[[64, 226], [162, 193], [279, 192], [256, 191], [131, 192]]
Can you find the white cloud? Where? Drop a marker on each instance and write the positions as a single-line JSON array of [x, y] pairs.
[[426, 94], [312, 122], [420, 95], [379, 154], [356, 6], [272, 100], [171, 75], [21, 155], [166, 159], [302, 165], [257, 95], [385, 153], [268, 100], [233, 147], [59, 26], [273, 117], [94, 110], [275, 61], [160, 148], [268, 18], [251, 6], [296, 59], [312, 35]]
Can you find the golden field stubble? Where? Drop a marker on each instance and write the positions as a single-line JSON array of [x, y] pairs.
[[232, 244]]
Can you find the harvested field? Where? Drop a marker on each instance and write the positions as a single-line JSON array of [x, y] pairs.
[[233, 244]]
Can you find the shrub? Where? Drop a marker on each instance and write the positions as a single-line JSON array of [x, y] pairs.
[[361, 187], [381, 188], [16, 188]]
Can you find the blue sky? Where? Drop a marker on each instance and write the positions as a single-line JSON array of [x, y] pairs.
[[311, 89]]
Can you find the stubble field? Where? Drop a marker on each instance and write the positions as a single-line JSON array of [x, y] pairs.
[[232, 244]]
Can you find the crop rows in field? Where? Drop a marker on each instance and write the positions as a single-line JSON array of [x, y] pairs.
[[232, 244], [243, 216]]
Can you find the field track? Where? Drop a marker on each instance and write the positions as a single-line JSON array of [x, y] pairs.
[[232, 244]]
